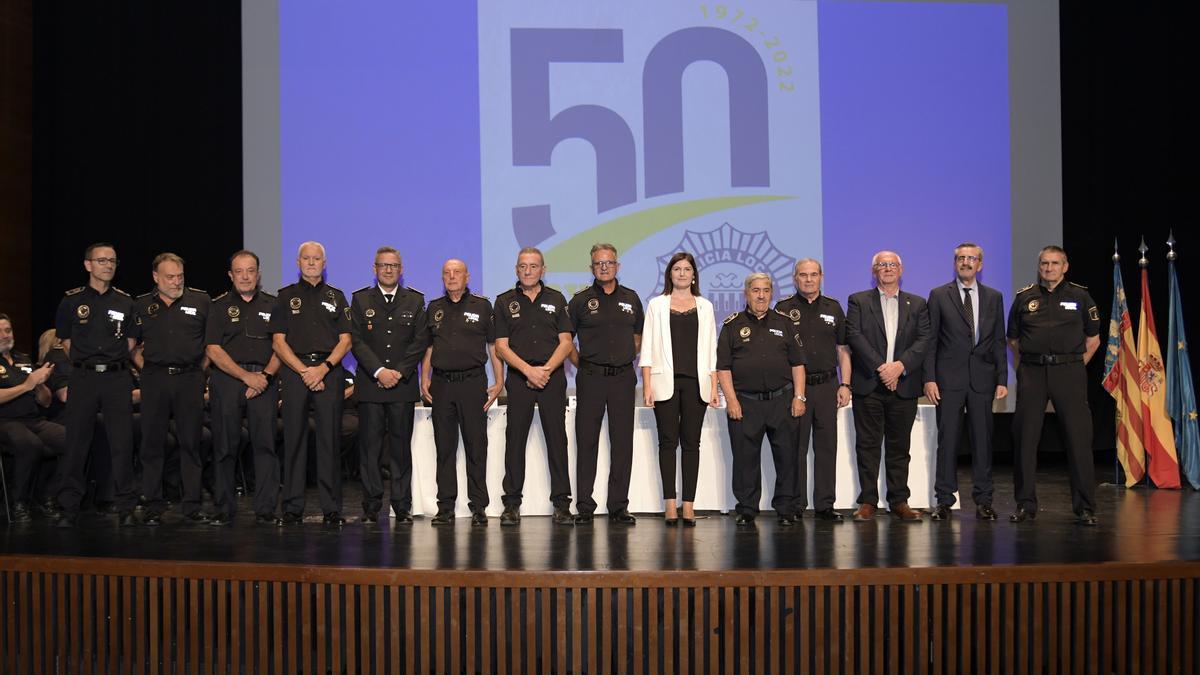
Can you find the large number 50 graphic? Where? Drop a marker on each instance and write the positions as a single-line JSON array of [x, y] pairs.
[[535, 133]]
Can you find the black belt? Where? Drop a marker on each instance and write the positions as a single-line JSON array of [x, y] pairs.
[[101, 367], [820, 378], [458, 375], [1051, 359], [313, 357], [766, 395], [172, 370], [251, 367], [600, 369]]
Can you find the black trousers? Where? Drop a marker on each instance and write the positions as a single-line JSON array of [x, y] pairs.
[[1066, 386], [164, 397], [229, 406], [391, 421], [595, 393], [819, 422], [950, 428], [459, 405], [774, 420], [327, 422], [883, 417], [111, 394], [551, 403], [31, 442], [679, 420]]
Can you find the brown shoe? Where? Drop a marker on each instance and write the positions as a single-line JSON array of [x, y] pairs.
[[864, 513], [903, 512]]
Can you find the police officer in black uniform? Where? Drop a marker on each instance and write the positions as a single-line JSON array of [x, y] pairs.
[[822, 327], [388, 331], [24, 430], [760, 366], [97, 324], [1053, 329], [533, 336], [310, 327], [243, 385], [171, 360], [459, 336], [608, 319]]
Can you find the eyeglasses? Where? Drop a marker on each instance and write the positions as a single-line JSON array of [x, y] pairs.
[[104, 261], [604, 264], [387, 266], [887, 265], [967, 258]]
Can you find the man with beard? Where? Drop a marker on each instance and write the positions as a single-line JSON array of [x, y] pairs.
[[243, 386]]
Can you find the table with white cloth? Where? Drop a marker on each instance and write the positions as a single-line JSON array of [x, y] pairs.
[[714, 492]]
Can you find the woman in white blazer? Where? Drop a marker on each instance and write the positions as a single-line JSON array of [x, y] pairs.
[[679, 377]]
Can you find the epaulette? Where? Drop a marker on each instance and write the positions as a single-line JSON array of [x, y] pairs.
[[787, 298], [1026, 288], [1077, 285], [415, 291], [363, 289], [121, 291], [197, 290], [783, 315], [482, 297], [221, 296], [333, 288], [146, 294], [269, 295], [585, 288], [76, 291], [730, 318]]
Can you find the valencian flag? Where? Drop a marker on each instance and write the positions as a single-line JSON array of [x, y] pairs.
[[1157, 435], [1120, 380], [1181, 398]]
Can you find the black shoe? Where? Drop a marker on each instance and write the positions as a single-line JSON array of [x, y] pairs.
[[443, 517], [220, 519], [403, 518], [788, 519], [1022, 514], [51, 509], [291, 518], [829, 515], [984, 512], [622, 517], [268, 519], [197, 517], [20, 513], [671, 522], [479, 518], [562, 516], [744, 520], [152, 519], [1086, 517], [333, 518], [370, 517], [688, 522], [940, 512], [126, 519], [510, 517], [584, 519], [67, 521]]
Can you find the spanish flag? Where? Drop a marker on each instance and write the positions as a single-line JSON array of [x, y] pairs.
[[1157, 434], [1121, 381]]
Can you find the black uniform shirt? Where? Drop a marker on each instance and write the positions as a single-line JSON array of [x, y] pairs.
[[98, 325], [822, 327], [173, 335], [1053, 322], [459, 331], [759, 352], [532, 326], [606, 324], [387, 335], [312, 317], [14, 375], [240, 327]]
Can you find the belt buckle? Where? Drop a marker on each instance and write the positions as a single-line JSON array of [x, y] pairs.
[[100, 367], [174, 370], [1050, 359], [610, 371]]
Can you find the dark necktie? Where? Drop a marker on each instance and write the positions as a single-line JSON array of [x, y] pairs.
[[387, 297], [970, 309]]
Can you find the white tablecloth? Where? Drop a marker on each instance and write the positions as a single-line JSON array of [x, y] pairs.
[[714, 491]]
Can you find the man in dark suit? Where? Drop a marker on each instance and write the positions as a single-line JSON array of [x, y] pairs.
[[888, 333], [966, 366]]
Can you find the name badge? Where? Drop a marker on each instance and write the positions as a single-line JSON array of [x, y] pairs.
[[776, 331], [329, 306], [266, 316], [828, 318], [471, 317], [1073, 306], [115, 315], [190, 311], [626, 307], [549, 308]]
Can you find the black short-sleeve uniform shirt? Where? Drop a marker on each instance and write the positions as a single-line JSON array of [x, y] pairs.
[[532, 326], [1053, 322], [97, 324], [606, 323], [822, 327], [759, 352], [313, 318], [173, 335], [14, 374], [460, 331], [387, 335], [240, 327]]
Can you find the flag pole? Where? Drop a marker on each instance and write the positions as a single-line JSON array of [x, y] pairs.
[[1118, 479], [1144, 263]]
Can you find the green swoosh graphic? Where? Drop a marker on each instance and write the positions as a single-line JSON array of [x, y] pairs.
[[628, 230]]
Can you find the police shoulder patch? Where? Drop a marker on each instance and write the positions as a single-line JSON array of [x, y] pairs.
[[731, 317], [1077, 285], [75, 291]]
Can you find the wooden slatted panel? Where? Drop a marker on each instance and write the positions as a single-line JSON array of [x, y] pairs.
[[1189, 626], [350, 646], [546, 657]]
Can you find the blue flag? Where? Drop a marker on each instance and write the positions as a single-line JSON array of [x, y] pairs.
[[1181, 397]]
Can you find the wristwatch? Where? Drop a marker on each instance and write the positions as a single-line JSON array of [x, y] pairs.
[[801, 398], [844, 384], [328, 365]]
